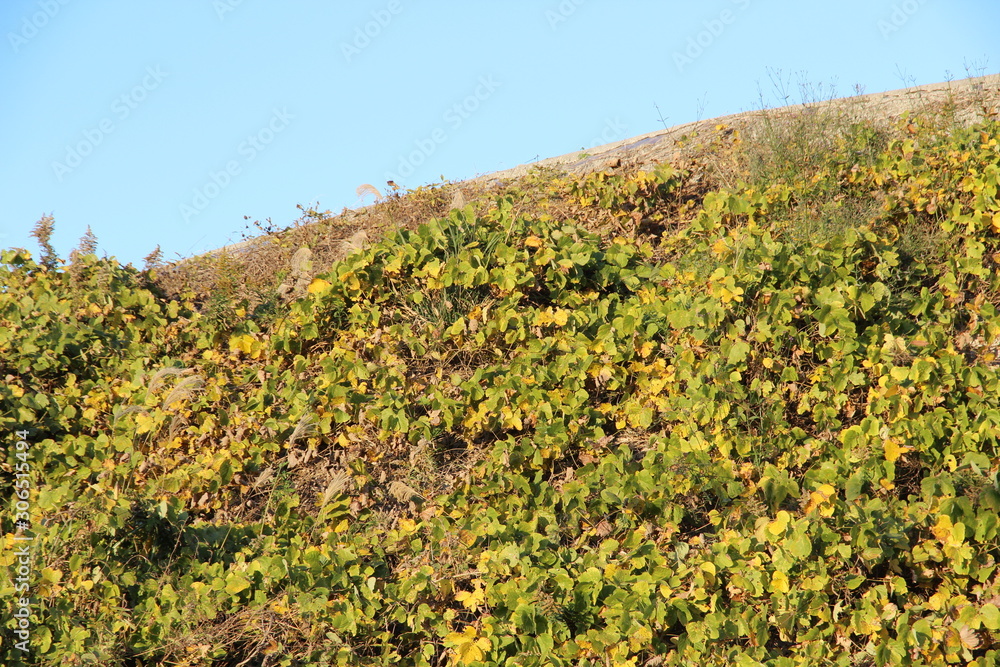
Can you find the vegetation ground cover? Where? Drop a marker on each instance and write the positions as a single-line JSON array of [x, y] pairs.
[[741, 409]]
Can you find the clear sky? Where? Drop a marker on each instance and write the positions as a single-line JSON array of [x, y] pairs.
[[168, 122]]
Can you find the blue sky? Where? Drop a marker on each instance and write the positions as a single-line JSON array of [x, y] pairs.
[[167, 123]]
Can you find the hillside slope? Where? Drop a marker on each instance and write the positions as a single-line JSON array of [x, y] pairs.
[[331, 236], [741, 408]]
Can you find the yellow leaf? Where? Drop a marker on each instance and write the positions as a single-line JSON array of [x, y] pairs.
[[957, 535], [433, 268], [893, 450], [243, 343], [656, 385], [471, 600], [780, 523], [468, 653], [350, 279], [942, 529], [318, 286], [341, 526], [735, 295], [779, 582], [819, 497], [467, 645], [393, 266], [937, 601], [510, 418], [950, 535], [720, 247], [533, 242], [407, 526], [544, 256], [50, 575], [557, 316], [144, 423], [826, 490]]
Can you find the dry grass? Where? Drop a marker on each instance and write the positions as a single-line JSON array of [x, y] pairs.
[[249, 274]]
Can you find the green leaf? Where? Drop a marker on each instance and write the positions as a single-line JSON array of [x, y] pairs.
[[867, 302], [990, 615], [854, 486], [799, 544], [738, 351], [236, 583]]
